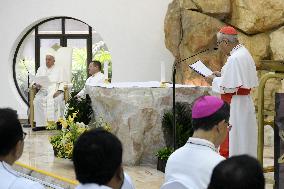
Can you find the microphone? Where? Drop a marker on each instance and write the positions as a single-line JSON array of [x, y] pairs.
[[28, 124], [214, 48]]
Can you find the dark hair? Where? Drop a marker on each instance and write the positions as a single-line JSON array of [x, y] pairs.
[[207, 123], [238, 172], [10, 130], [97, 63], [97, 155]]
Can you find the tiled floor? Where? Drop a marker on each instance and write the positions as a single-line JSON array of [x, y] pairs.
[[38, 153]]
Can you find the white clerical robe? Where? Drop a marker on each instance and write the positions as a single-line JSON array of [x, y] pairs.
[[9, 178], [240, 72], [47, 108], [127, 184], [192, 164], [97, 78]]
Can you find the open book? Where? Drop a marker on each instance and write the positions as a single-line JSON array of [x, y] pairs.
[[200, 68]]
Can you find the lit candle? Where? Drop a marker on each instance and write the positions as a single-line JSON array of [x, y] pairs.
[[106, 70], [163, 72]]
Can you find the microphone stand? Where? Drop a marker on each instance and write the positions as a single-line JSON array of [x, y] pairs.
[[28, 124], [174, 90]]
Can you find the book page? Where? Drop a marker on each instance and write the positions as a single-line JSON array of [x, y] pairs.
[[200, 68]]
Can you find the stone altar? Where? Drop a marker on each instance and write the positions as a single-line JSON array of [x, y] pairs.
[[135, 113]]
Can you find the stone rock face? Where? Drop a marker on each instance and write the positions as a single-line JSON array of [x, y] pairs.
[[217, 8], [256, 16], [277, 44], [135, 116], [258, 46]]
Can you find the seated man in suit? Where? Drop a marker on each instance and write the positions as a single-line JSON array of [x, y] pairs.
[[48, 102]]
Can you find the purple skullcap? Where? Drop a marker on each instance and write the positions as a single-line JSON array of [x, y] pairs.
[[205, 106]]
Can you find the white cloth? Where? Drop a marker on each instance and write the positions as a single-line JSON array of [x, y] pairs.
[[47, 108], [127, 184], [240, 71], [192, 164], [11, 180], [95, 79]]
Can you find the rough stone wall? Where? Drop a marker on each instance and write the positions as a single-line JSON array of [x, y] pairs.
[[191, 26]]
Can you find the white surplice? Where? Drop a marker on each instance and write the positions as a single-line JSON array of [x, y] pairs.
[[47, 108], [240, 72], [9, 178], [192, 164], [97, 78]]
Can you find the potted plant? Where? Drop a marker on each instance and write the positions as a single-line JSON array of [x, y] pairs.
[[163, 154], [184, 130]]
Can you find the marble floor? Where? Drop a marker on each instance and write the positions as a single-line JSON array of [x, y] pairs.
[[38, 153]]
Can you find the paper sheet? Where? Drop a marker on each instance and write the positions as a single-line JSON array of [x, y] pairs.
[[200, 68], [42, 80]]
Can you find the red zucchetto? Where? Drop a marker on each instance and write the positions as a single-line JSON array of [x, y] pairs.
[[229, 30]]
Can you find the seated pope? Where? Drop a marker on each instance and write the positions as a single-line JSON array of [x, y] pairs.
[[49, 100]]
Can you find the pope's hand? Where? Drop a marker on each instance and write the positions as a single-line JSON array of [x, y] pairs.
[[57, 93]]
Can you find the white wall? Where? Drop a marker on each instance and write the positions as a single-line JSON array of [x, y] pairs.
[[132, 30]]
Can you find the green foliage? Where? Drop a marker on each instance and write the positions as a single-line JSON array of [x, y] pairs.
[[79, 68], [164, 153], [82, 106], [184, 128]]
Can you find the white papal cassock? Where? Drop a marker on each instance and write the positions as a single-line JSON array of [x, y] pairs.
[[47, 108], [12, 180], [97, 78], [192, 164], [240, 72]]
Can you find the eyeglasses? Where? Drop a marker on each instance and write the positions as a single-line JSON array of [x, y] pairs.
[[229, 126], [24, 135]]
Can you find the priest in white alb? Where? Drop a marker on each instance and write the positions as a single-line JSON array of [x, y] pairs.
[[96, 77], [49, 100], [235, 81]]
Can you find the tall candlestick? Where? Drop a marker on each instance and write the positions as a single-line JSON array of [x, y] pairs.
[[163, 72], [106, 70]]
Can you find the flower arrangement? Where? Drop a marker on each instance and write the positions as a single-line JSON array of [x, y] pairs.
[[63, 142]]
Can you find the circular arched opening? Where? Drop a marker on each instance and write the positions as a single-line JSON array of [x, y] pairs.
[[54, 33]]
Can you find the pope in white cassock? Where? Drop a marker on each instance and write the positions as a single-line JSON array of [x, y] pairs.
[[48, 102], [97, 77], [238, 76]]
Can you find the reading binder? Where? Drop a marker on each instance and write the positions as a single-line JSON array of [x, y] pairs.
[[200, 68]]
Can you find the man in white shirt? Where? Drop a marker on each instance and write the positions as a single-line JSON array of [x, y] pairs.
[[97, 159], [48, 102], [96, 77], [192, 164], [11, 148], [238, 76]]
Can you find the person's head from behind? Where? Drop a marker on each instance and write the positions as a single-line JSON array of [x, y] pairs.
[[227, 39], [210, 118], [94, 67], [97, 158], [238, 172], [11, 136]]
